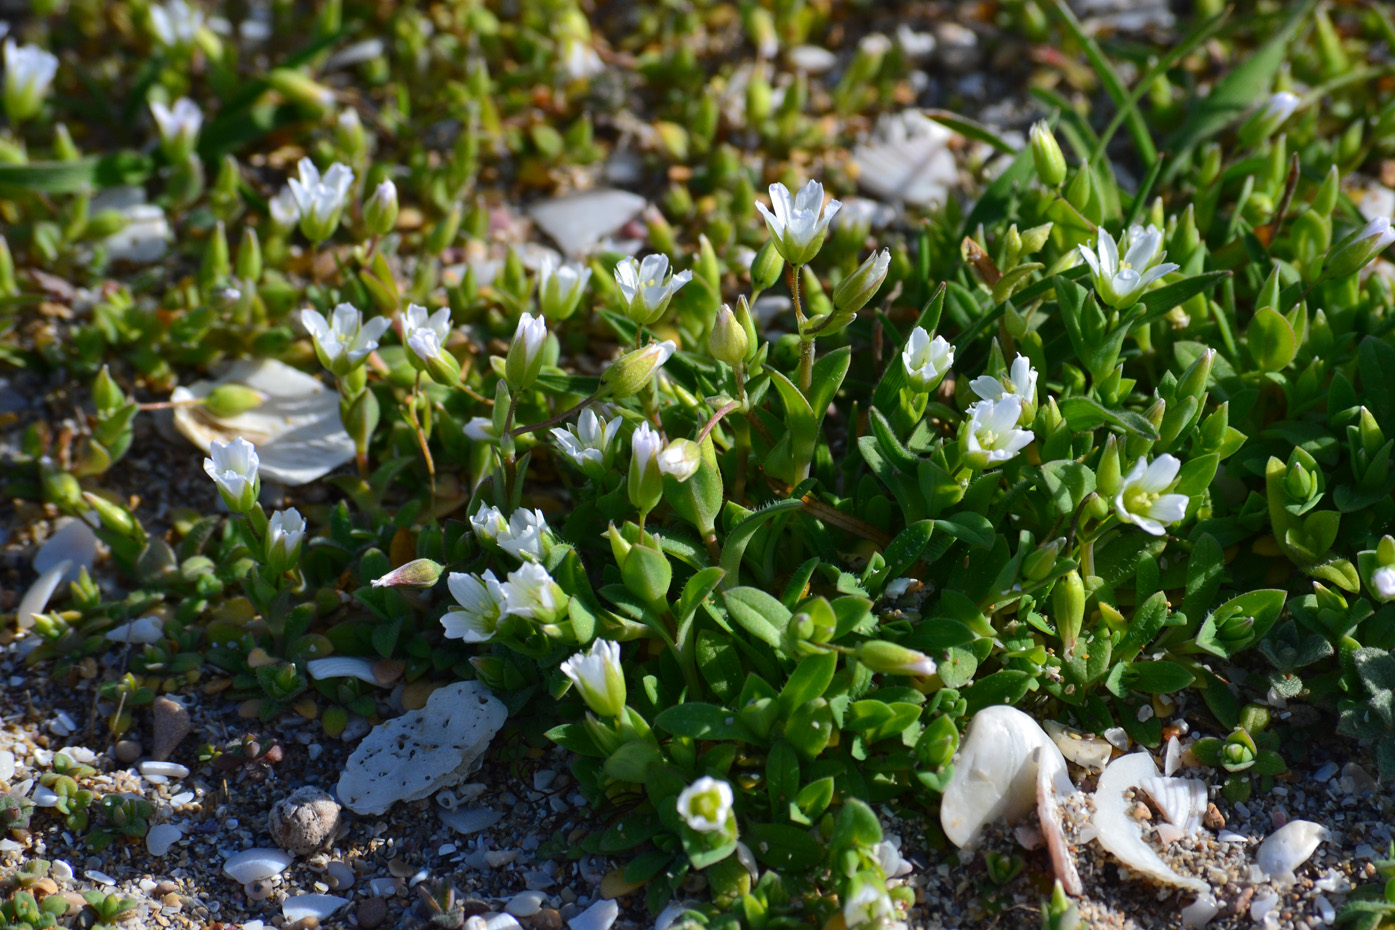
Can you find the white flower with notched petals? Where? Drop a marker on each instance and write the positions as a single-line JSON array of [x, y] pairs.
[[284, 210], [1142, 501], [526, 537], [29, 72], [991, 436], [560, 287], [888, 853], [926, 360], [648, 287], [1280, 106], [706, 804], [1120, 282], [798, 224], [175, 23], [1021, 382], [343, 340], [531, 592], [178, 125], [233, 467], [589, 442], [481, 604], [598, 678], [870, 904], [320, 199], [488, 522]]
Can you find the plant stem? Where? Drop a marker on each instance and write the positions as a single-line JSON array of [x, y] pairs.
[[722, 411], [553, 420], [806, 340], [421, 441]]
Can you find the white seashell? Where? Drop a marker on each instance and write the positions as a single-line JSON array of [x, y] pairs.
[[1199, 912], [1120, 834], [36, 598], [525, 903], [1118, 738], [44, 796], [146, 236], [1181, 800], [669, 915], [75, 543], [383, 887], [61, 870], [1376, 201], [1088, 752], [1172, 756], [7, 765], [254, 865], [163, 769], [1261, 904], [501, 922], [577, 222], [147, 629], [161, 837], [995, 773], [100, 878], [1167, 833], [296, 428], [599, 916], [342, 667], [1230, 836], [1049, 817], [907, 160], [467, 820], [341, 875], [1287, 848], [318, 906]]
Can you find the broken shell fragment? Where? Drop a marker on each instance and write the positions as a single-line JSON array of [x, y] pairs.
[[1120, 834], [1287, 848], [1089, 752], [1181, 800]]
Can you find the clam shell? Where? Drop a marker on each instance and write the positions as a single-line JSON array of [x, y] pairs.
[[577, 222], [1120, 834], [258, 864], [342, 667], [1199, 912], [161, 837], [1181, 800], [1049, 815], [996, 772], [907, 160], [36, 598], [75, 543], [296, 428], [318, 906], [1287, 848], [1088, 752]]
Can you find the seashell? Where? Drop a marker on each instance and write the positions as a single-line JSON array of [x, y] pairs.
[[37, 596], [163, 769], [995, 773], [342, 667], [811, 59], [74, 542], [258, 890], [341, 875], [1287, 848], [318, 906], [1199, 913], [1172, 756], [295, 428], [1049, 816], [599, 916], [907, 160], [146, 236], [161, 837], [44, 796], [1181, 800], [147, 629], [253, 865], [7, 765], [1089, 752], [1120, 834], [467, 820], [578, 221]]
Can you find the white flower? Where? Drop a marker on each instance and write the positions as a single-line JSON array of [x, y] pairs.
[[525, 538], [598, 678], [480, 429], [430, 330], [1383, 580], [1022, 382], [29, 72], [284, 532], [233, 467], [531, 592], [868, 905], [179, 125], [588, 443], [648, 287], [175, 23], [991, 436], [681, 459], [488, 522], [524, 360], [705, 805], [926, 360], [320, 199], [284, 211], [797, 226], [1141, 500], [344, 340], [560, 287], [1279, 107], [1121, 283], [888, 853], [1378, 234], [482, 603]]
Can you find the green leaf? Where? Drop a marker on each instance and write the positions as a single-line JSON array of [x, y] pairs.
[[783, 847], [1272, 342], [1157, 303], [810, 727], [1148, 619], [969, 527], [903, 551], [971, 129], [758, 614], [1083, 414], [73, 177], [809, 680], [1067, 483], [735, 545], [720, 664], [631, 761], [697, 720], [1156, 677], [827, 377], [1375, 362], [813, 799]]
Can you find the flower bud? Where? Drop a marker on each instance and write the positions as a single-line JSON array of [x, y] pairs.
[[889, 658], [560, 288], [179, 128], [629, 373], [525, 356], [105, 394], [1349, 257], [645, 483], [728, 342], [349, 135], [767, 267], [680, 459], [418, 573], [301, 89], [1068, 604], [1268, 118], [113, 516], [598, 678], [1046, 153], [228, 400], [233, 467], [380, 212], [853, 292], [284, 531], [29, 72], [1041, 560]]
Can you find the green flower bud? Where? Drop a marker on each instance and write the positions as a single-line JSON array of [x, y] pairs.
[[1041, 560], [1354, 253], [853, 292], [418, 573], [380, 211], [302, 90], [1046, 154], [888, 658], [629, 374], [728, 341], [598, 678], [767, 267], [114, 517], [1068, 604], [228, 400], [1109, 475], [525, 357]]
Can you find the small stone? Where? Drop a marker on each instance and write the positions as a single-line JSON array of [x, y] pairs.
[[170, 726], [525, 903], [341, 875], [161, 837], [305, 821], [371, 913], [399, 867], [1213, 819], [166, 887], [545, 919], [127, 751]]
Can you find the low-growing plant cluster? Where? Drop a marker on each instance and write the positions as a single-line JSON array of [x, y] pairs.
[[753, 539]]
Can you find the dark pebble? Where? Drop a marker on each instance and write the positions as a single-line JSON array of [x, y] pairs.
[[545, 919], [371, 913]]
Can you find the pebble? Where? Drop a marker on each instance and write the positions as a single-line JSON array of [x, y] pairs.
[[525, 903], [257, 864], [314, 906], [1213, 819], [163, 769], [501, 922], [100, 878], [127, 751], [371, 913], [599, 916], [7, 765], [383, 887], [545, 919], [305, 821], [341, 875], [169, 727], [161, 837], [61, 870]]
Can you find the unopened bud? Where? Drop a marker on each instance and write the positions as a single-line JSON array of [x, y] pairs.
[[1268, 118], [629, 373], [1351, 256], [767, 266], [853, 292], [728, 342], [1046, 153], [228, 400], [889, 658], [418, 573], [380, 212], [301, 89]]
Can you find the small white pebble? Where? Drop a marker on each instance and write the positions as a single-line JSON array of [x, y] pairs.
[[167, 769], [599, 916], [100, 878], [446, 849], [161, 837], [525, 903], [61, 870], [1228, 836]]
